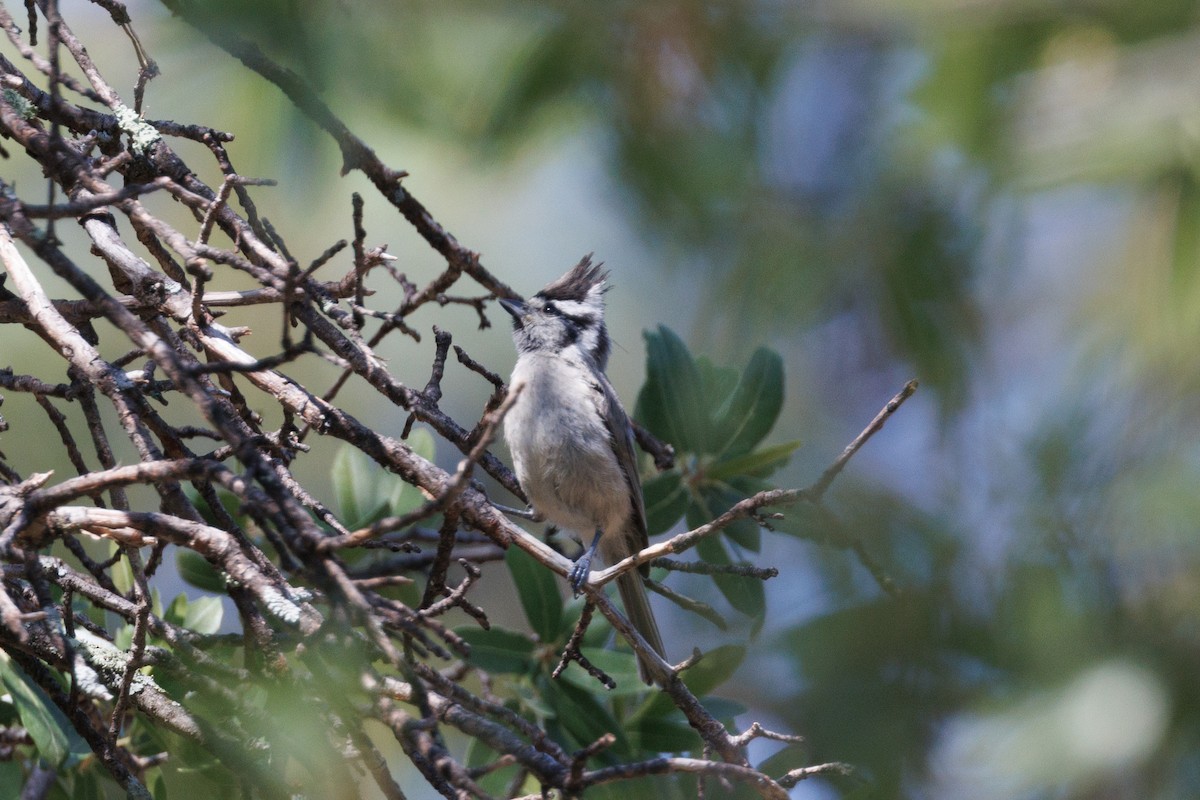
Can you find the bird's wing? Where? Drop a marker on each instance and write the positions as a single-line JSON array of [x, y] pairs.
[[620, 434]]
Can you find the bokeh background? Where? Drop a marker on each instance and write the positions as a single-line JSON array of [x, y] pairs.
[[998, 198]]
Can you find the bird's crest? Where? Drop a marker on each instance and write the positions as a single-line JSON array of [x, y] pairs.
[[583, 282]]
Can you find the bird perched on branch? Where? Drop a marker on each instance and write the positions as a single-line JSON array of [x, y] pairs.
[[570, 438]]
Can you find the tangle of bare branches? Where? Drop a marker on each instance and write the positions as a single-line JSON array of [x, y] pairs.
[[324, 640]]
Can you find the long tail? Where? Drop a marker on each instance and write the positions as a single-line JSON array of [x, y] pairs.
[[637, 608]]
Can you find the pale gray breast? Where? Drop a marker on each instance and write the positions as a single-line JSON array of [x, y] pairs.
[[561, 447]]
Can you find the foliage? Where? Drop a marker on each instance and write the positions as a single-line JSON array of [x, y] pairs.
[[362, 650], [999, 199]]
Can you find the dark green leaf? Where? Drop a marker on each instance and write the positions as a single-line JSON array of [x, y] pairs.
[[666, 499], [744, 594], [752, 409], [724, 709], [229, 501], [620, 665], [716, 386], [670, 404], [196, 570], [498, 650], [655, 787], [86, 786], [52, 734], [791, 757], [583, 718], [716, 667], [540, 596], [668, 734], [719, 498], [12, 778]]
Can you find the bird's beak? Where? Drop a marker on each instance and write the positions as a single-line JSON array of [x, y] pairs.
[[515, 307]]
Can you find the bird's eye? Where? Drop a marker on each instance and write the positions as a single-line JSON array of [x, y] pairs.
[[552, 310]]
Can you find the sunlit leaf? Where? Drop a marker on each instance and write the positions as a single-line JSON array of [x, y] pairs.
[[356, 487], [760, 463], [52, 734], [204, 615], [403, 497], [176, 611]]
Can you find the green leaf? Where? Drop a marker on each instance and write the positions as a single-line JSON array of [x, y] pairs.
[[540, 596], [620, 665], [670, 403], [812, 522], [123, 637], [196, 570], [86, 786], [175, 612], [498, 650], [52, 734], [724, 709], [403, 497], [751, 411], [204, 615], [668, 734], [583, 717], [652, 787], [716, 385], [494, 782], [12, 778], [791, 757], [356, 487], [759, 463], [229, 501], [744, 594], [716, 667], [121, 572], [719, 498], [666, 499]]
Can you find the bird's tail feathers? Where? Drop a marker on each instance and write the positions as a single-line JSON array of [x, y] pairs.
[[637, 608]]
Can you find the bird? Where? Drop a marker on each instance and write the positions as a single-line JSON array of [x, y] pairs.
[[570, 439]]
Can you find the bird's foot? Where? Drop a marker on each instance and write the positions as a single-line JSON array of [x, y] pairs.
[[583, 565], [579, 572]]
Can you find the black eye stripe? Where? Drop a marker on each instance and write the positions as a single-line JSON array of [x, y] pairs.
[[582, 320]]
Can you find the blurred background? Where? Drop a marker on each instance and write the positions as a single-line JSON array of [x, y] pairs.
[[999, 199]]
